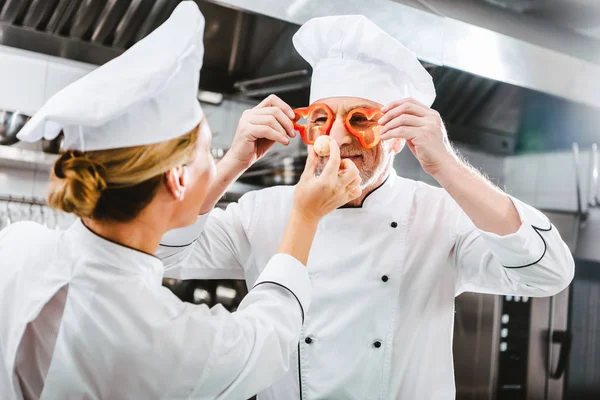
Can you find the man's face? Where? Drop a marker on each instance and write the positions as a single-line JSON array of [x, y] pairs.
[[372, 163]]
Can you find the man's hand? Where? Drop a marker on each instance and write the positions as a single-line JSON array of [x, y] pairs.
[[423, 130], [259, 128], [489, 208]]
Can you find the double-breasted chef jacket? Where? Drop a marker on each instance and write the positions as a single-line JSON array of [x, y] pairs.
[[85, 318], [384, 279]]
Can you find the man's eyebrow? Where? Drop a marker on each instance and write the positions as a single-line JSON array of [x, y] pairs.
[[353, 106]]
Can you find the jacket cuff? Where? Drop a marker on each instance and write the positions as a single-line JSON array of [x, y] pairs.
[[287, 272]]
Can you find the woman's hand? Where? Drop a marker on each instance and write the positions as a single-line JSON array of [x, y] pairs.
[[316, 196], [338, 184]]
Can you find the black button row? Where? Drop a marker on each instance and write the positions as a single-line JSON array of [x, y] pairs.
[[376, 344]]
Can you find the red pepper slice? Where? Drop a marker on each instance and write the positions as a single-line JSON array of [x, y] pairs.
[[362, 123], [306, 112]]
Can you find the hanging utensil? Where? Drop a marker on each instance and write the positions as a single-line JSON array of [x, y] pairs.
[[4, 216], [8, 219], [56, 221], [43, 216]]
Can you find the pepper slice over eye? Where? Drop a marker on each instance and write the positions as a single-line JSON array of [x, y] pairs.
[[310, 130], [362, 123], [317, 119]]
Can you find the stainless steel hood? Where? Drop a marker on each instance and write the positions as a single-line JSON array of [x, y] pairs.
[[513, 50], [483, 77], [559, 63]]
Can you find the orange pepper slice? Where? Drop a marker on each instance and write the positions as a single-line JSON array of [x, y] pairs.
[[366, 130], [305, 112]]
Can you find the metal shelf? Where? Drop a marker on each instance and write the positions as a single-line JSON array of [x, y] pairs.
[[14, 157], [25, 159]]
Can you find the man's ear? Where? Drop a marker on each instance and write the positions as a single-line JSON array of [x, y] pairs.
[[176, 182], [398, 145]]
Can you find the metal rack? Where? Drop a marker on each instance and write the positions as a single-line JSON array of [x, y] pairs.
[[26, 208], [36, 201]]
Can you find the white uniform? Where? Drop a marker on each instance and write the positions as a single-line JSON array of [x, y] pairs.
[[384, 280], [85, 318]]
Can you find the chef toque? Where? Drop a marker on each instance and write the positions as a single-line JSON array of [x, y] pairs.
[[353, 57], [145, 96]]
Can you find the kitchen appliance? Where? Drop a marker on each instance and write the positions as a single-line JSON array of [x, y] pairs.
[[11, 123], [521, 348], [228, 293]]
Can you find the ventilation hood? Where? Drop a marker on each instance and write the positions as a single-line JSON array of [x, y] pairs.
[[520, 51], [483, 76]]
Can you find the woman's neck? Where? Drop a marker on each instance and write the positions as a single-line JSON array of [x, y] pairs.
[[138, 234]]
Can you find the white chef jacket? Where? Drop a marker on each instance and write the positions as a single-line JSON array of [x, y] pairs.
[[384, 280], [93, 318]]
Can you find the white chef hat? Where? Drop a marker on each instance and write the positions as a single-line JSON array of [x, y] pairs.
[[145, 96], [353, 57]]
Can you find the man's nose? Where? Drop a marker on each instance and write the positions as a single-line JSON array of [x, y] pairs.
[[340, 133]]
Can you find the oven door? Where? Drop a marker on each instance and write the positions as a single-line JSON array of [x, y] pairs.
[[515, 347]]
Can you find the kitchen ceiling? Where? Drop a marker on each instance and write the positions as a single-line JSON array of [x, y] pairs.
[[248, 56], [580, 16]]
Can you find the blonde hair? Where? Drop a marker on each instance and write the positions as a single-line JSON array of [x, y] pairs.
[[116, 184]]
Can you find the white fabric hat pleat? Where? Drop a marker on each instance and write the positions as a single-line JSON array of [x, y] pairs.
[[353, 57]]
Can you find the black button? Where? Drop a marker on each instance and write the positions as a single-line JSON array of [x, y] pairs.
[[385, 278], [308, 340], [377, 344], [394, 224]]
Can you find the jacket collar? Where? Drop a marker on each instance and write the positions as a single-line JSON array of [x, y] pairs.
[[113, 255], [383, 194], [378, 198]]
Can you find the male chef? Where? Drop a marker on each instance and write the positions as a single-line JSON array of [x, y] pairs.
[[386, 268]]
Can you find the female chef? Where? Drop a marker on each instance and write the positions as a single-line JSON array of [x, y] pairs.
[[83, 312]]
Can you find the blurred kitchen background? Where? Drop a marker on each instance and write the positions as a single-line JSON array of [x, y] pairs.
[[518, 85]]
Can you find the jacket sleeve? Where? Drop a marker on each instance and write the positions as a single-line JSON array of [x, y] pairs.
[[215, 247], [235, 355], [534, 261]]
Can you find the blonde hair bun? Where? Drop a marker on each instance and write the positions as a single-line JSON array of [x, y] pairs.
[[77, 184], [116, 184]]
